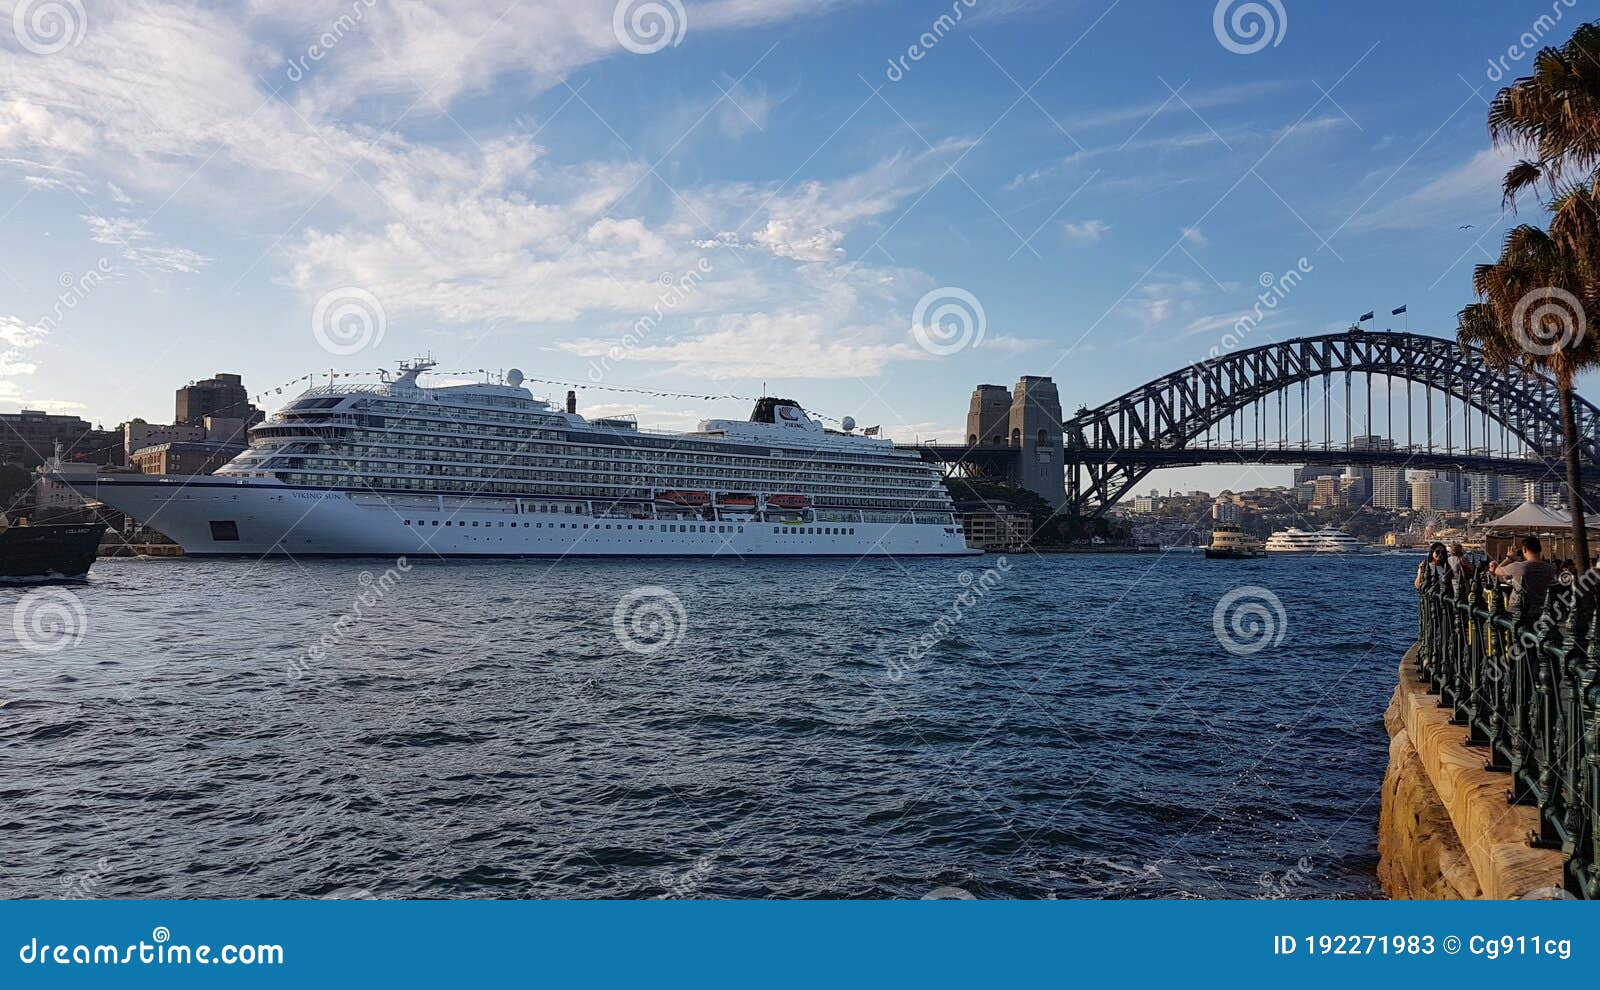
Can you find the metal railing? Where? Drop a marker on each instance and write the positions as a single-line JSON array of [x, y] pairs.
[[1527, 690]]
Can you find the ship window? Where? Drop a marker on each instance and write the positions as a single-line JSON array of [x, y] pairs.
[[474, 524], [224, 531], [436, 522]]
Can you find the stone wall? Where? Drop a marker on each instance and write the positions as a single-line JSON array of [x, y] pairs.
[[1445, 829]]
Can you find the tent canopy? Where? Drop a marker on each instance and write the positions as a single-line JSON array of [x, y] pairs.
[[1530, 517]]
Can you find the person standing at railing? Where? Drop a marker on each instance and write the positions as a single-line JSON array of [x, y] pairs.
[[1456, 560], [1530, 579], [1437, 567]]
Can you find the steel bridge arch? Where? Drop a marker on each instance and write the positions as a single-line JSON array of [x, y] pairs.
[[1111, 448]]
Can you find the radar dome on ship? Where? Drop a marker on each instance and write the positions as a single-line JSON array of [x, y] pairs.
[[514, 377], [849, 423]]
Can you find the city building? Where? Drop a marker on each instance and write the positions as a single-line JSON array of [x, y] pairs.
[[1488, 489], [1433, 491], [1367, 442], [222, 396], [29, 438], [1355, 489], [137, 435], [184, 457], [995, 525], [1311, 472], [1389, 488], [1146, 503], [1548, 493], [1326, 493], [1223, 510], [1305, 491]]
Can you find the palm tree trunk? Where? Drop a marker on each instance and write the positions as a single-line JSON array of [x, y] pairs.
[[1575, 503]]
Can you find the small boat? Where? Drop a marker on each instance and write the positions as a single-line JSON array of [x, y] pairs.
[[1229, 542], [788, 501], [737, 501], [51, 552]]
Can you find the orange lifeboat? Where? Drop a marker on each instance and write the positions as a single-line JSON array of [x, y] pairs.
[[685, 498], [738, 501], [788, 501]]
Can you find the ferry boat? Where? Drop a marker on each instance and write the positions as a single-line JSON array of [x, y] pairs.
[[488, 470], [1325, 540], [1229, 542]]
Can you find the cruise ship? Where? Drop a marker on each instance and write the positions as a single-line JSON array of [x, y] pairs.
[[1325, 540], [488, 470]]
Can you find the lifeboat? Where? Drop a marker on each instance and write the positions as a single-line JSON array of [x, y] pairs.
[[738, 501], [788, 501], [685, 498]]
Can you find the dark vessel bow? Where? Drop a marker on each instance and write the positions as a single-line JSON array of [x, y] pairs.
[[63, 551]]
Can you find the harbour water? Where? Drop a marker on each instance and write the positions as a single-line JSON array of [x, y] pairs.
[[1069, 726]]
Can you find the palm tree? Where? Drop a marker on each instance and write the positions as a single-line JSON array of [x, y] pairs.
[[1555, 113], [1531, 318], [1535, 298]]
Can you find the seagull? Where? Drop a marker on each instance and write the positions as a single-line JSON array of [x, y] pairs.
[[1465, 226]]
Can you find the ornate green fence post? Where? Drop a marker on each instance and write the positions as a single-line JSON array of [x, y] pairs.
[[1501, 687], [1480, 631]]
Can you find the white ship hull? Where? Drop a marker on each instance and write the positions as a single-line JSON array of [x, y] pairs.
[[1325, 541], [216, 516]]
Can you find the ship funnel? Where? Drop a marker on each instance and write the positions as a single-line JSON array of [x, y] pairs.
[[572, 400]]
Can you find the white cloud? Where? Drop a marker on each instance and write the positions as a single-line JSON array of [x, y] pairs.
[[15, 334], [137, 247], [1086, 231], [1468, 191], [1195, 237], [16, 338], [484, 233], [424, 55], [772, 346]]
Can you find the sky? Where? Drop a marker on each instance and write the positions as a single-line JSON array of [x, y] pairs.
[[871, 207]]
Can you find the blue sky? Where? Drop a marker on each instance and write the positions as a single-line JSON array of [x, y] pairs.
[[280, 187]]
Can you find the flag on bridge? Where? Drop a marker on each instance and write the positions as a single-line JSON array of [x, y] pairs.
[[1397, 312], [872, 431], [1367, 317]]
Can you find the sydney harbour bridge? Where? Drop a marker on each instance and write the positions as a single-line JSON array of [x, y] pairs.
[[1392, 399]]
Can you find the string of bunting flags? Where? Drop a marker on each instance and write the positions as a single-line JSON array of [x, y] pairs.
[[870, 431]]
